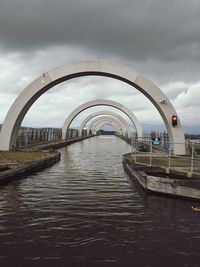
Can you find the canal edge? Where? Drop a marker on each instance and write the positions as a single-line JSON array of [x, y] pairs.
[[29, 168], [187, 188]]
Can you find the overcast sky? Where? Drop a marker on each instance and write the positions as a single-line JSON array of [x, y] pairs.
[[160, 39]]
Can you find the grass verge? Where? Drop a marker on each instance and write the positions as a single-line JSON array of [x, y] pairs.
[[21, 156]]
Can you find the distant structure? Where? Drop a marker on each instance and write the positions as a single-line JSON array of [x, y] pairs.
[[110, 121], [103, 112], [102, 123]]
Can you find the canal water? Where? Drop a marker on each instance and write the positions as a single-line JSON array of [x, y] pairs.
[[85, 211]]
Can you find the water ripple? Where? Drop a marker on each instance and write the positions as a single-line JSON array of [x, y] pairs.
[[85, 211]]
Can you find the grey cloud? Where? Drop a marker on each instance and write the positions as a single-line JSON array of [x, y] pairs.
[[141, 30], [157, 38], [160, 39], [189, 98], [173, 93]]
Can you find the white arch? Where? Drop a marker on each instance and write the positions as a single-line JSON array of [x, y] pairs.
[[101, 102], [103, 112], [53, 77], [102, 123], [124, 124], [108, 118]]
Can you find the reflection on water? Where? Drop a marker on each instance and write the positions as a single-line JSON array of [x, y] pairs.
[[85, 211]]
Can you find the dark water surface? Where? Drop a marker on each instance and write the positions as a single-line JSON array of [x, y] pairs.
[[85, 211]]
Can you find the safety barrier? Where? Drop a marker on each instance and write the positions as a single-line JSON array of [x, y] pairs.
[[155, 152]]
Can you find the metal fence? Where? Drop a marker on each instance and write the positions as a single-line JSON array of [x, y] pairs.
[[160, 153], [28, 137]]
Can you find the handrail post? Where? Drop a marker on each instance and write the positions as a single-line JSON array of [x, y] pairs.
[[131, 146], [192, 159], [151, 149], [169, 157], [135, 151]]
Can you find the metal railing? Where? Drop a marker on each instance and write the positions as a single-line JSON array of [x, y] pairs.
[[160, 153]]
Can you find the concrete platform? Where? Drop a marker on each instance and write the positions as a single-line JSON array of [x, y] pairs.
[[156, 179]]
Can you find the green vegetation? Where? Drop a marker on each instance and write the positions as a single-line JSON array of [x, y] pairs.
[[20, 157]]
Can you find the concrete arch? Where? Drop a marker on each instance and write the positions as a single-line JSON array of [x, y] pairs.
[[111, 119], [103, 112], [102, 123], [101, 102], [55, 76], [124, 124]]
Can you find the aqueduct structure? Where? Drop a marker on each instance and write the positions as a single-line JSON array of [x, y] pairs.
[[103, 112], [102, 122], [55, 76], [110, 119], [101, 102]]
